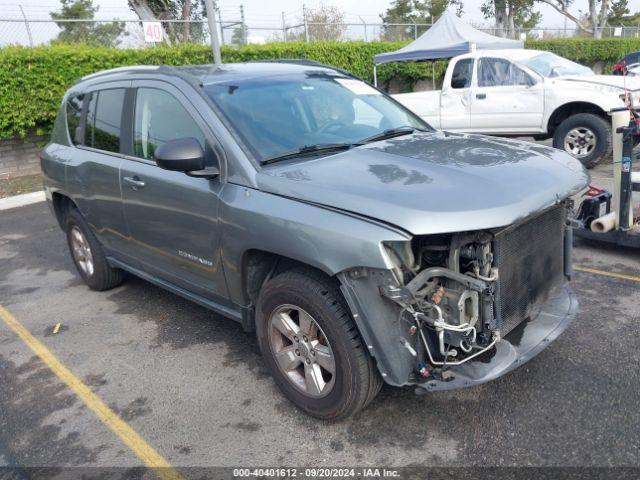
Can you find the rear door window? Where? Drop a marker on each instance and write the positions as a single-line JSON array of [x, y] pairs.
[[104, 119]]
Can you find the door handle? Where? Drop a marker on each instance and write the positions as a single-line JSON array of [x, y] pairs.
[[134, 182], [481, 96]]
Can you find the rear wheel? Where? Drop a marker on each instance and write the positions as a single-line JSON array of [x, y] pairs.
[[312, 347], [88, 256], [585, 136]]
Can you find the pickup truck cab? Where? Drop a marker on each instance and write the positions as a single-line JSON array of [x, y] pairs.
[[358, 243], [521, 92]]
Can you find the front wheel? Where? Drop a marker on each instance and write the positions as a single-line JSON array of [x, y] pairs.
[[312, 346], [585, 136]]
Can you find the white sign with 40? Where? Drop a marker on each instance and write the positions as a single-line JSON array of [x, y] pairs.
[[152, 32]]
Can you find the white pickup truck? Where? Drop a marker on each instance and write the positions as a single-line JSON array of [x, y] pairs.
[[526, 92]]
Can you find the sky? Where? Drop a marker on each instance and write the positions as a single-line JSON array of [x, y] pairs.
[[263, 13]]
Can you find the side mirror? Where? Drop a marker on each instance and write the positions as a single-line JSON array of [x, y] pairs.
[[458, 82], [180, 155]]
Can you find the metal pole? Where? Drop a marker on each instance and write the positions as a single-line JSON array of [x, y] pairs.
[[284, 28], [619, 119], [415, 29], [375, 75], [365, 28], [221, 25], [433, 74], [244, 25], [626, 214], [213, 32], [306, 28], [26, 24]]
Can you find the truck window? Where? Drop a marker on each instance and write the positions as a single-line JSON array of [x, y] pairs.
[[74, 112], [365, 114], [497, 72], [462, 73], [159, 117], [104, 116]]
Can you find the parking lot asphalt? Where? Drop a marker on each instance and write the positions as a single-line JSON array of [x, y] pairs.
[[194, 386]]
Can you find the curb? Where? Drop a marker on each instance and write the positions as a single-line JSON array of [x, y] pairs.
[[21, 200]]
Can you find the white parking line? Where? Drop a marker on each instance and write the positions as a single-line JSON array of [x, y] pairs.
[[21, 200]]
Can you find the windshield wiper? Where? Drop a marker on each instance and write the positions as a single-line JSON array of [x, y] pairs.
[[309, 150], [391, 133]]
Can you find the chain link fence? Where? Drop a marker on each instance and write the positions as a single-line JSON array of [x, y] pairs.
[[130, 33]]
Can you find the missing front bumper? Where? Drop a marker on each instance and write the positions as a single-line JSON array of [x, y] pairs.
[[518, 347]]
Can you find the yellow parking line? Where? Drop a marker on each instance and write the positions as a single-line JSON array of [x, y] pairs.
[[128, 435], [604, 273]]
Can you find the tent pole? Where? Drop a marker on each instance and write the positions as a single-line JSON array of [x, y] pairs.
[[375, 75], [433, 73]]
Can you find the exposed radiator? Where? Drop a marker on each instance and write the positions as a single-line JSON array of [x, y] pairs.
[[529, 257]]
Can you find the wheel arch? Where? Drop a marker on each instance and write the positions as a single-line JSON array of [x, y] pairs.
[[61, 205], [566, 110], [258, 266]]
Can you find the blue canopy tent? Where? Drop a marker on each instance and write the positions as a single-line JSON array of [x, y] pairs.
[[446, 38]]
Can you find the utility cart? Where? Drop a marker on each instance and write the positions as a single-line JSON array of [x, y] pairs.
[[612, 217]]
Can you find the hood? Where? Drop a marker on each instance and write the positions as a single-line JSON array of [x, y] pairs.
[[616, 81], [438, 182]]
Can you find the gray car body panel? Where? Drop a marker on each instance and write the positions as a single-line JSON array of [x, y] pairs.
[[332, 212], [434, 182]]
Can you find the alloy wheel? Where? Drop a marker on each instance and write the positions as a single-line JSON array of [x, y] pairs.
[[301, 350], [580, 142], [81, 251]]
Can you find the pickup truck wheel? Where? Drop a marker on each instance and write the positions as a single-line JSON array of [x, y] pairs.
[[585, 136], [88, 256], [312, 347]]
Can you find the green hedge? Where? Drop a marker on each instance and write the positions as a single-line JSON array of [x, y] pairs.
[[33, 80]]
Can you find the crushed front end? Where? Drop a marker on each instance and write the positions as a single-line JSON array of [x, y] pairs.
[[461, 309]]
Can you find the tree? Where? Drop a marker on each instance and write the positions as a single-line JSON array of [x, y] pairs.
[[239, 36], [322, 24], [190, 12], [325, 23], [106, 34], [592, 22], [411, 12], [511, 15], [619, 10]]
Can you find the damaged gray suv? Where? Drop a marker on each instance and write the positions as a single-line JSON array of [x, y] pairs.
[[360, 245]]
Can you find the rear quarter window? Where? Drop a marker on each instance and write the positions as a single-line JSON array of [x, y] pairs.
[[74, 114]]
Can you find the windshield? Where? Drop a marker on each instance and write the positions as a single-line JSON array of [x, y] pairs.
[[278, 114], [551, 65]]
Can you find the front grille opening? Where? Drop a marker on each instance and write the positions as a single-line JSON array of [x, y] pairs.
[[529, 257]]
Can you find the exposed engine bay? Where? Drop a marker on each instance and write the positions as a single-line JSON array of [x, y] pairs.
[[457, 295], [443, 305]]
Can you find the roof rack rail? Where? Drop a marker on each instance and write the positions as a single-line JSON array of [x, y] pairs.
[[121, 69], [298, 61], [311, 63]]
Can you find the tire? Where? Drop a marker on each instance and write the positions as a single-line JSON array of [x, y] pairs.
[[355, 381], [580, 124], [99, 275]]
